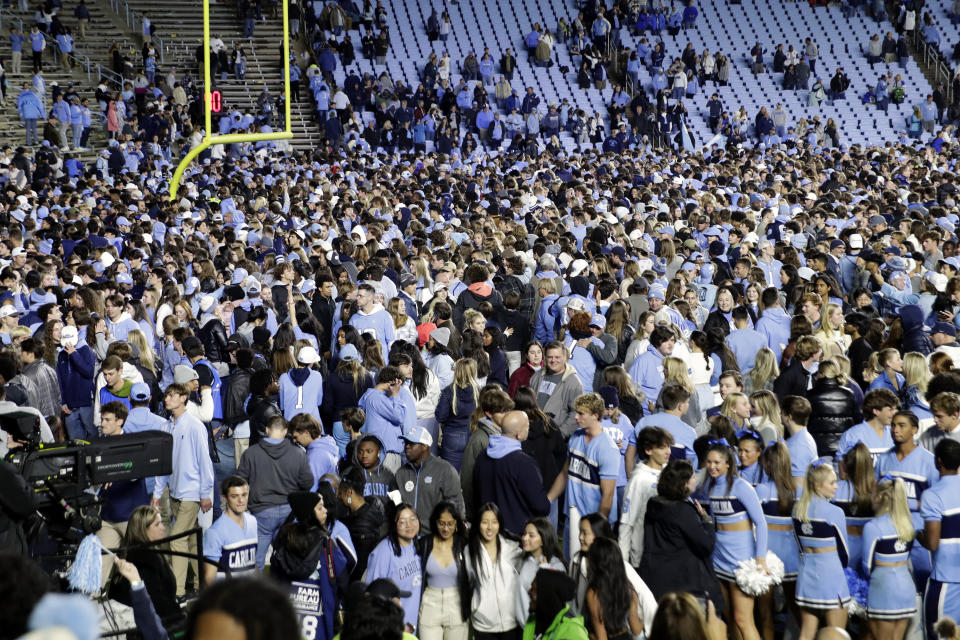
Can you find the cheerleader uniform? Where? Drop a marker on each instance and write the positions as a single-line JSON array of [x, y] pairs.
[[783, 541], [821, 583], [885, 561], [737, 514], [918, 472], [855, 522], [752, 474]]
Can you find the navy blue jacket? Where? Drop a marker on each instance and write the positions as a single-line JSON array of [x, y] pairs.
[[508, 477], [75, 374], [465, 407]]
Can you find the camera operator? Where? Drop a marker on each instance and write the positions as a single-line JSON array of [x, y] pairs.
[[16, 505]]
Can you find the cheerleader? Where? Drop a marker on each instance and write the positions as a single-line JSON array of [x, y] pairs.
[[821, 532], [749, 446], [737, 512], [887, 540], [855, 497], [777, 495]]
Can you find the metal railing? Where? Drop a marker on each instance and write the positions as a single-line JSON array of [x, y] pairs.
[[78, 59], [134, 20], [932, 58]]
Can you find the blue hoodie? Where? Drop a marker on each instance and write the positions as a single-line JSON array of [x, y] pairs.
[[301, 391], [385, 418], [508, 477], [647, 372], [774, 324]]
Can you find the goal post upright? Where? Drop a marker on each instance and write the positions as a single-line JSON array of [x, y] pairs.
[[209, 139]]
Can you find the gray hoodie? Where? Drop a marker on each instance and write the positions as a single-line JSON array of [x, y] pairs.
[[274, 469]]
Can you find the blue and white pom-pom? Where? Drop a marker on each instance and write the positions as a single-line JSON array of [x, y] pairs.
[[859, 587], [87, 570], [753, 580]]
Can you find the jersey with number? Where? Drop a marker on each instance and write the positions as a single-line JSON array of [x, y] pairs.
[[589, 463], [314, 597], [232, 548]]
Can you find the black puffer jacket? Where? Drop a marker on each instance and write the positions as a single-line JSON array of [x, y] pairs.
[[214, 339], [260, 409], [834, 411], [234, 411]]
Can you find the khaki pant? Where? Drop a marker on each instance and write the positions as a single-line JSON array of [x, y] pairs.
[[111, 535], [239, 446], [15, 61], [440, 615], [184, 518]]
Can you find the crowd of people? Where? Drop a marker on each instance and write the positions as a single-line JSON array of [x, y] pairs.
[[517, 394]]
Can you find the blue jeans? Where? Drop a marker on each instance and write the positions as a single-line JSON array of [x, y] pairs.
[[80, 425], [452, 445], [269, 522], [30, 124]]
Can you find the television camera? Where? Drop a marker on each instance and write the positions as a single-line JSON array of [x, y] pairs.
[[63, 476]]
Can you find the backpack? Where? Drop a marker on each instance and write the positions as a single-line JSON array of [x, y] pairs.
[[898, 95]]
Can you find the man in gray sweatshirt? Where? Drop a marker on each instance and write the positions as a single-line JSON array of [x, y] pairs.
[[275, 468]]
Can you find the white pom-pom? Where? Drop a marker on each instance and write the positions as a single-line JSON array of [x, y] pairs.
[[87, 569], [753, 580], [855, 609]]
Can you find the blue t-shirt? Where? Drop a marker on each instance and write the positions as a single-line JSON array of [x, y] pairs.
[[683, 435], [404, 570], [941, 503], [231, 548], [589, 463], [803, 451], [864, 433]]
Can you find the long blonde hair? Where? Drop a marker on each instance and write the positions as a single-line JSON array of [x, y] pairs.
[[765, 368], [832, 370], [675, 370], [916, 371], [398, 311], [817, 474], [891, 497], [464, 376], [355, 370], [830, 332], [139, 340], [769, 407], [726, 409]]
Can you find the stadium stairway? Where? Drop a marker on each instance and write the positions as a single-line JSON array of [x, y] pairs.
[[102, 31], [180, 24]]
